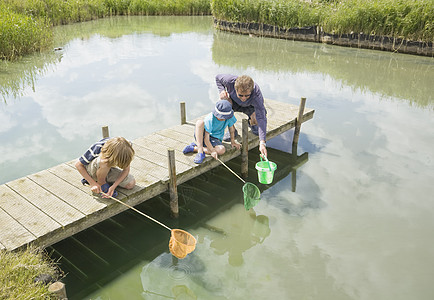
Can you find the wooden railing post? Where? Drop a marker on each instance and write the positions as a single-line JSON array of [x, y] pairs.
[[298, 125], [105, 132], [173, 190], [183, 115], [245, 150]]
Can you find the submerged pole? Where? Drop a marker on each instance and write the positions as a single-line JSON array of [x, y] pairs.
[[105, 132], [173, 190], [298, 125], [245, 150], [183, 115]]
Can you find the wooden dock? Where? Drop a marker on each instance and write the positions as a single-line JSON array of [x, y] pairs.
[[46, 207]]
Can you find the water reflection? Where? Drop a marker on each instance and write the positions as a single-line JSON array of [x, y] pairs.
[[164, 275], [396, 75], [16, 77], [244, 233]]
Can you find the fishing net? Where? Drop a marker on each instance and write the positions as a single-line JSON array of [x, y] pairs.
[[251, 195], [181, 243]]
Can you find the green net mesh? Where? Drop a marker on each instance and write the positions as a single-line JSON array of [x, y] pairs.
[[252, 195]]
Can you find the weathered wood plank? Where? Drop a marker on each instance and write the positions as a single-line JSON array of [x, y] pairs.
[[178, 133], [156, 140], [12, 233], [56, 208], [147, 172], [29, 216], [156, 156], [185, 129], [82, 201]]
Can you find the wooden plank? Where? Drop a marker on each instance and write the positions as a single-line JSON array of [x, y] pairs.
[[56, 208], [148, 172], [84, 202], [12, 233], [179, 134], [31, 217], [164, 141], [156, 140], [185, 129], [156, 156]]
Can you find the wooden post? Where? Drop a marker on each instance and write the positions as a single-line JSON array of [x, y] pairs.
[[174, 209], [105, 132], [58, 289], [298, 126], [183, 115], [245, 150]]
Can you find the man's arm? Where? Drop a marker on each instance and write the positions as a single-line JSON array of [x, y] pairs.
[[261, 119]]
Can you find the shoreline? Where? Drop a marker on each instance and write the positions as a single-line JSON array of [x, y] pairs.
[[316, 34]]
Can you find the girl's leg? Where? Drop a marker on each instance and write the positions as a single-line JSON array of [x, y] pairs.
[[200, 127], [220, 149]]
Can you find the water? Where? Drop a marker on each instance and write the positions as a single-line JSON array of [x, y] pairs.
[[350, 219]]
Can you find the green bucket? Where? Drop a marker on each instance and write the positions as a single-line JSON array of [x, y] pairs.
[[265, 176]]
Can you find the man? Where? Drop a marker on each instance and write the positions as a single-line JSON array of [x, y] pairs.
[[245, 96]]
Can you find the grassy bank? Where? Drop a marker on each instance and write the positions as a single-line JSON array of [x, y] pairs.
[[410, 19], [21, 34], [25, 25], [17, 274]]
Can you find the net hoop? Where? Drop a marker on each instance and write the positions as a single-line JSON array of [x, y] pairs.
[[181, 243], [252, 195]]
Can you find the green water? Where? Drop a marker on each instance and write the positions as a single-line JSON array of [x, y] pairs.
[[349, 217]]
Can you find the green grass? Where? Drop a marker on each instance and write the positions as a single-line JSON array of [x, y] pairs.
[[17, 272], [21, 34], [25, 25], [410, 19]]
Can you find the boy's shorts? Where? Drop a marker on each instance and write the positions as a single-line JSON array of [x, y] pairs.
[[248, 110], [214, 141], [112, 175]]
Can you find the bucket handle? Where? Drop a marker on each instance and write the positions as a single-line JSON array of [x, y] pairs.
[[266, 159]]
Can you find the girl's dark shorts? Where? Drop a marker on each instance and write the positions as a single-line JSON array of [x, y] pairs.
[[214, 141]]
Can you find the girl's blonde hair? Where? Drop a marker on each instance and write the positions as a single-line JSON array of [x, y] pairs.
[[244, 83], [118, 152]]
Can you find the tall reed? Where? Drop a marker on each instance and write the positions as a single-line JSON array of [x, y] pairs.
[[24, 24], [21, 34], [411, 19]]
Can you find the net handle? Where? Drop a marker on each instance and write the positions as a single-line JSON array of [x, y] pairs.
[[136, 210], [231, 170]]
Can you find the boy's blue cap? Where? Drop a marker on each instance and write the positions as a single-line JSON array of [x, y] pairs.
[[223, 110]]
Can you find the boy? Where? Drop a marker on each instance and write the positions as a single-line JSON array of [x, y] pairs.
[[209, 132], [245, 96], [98, 166]]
